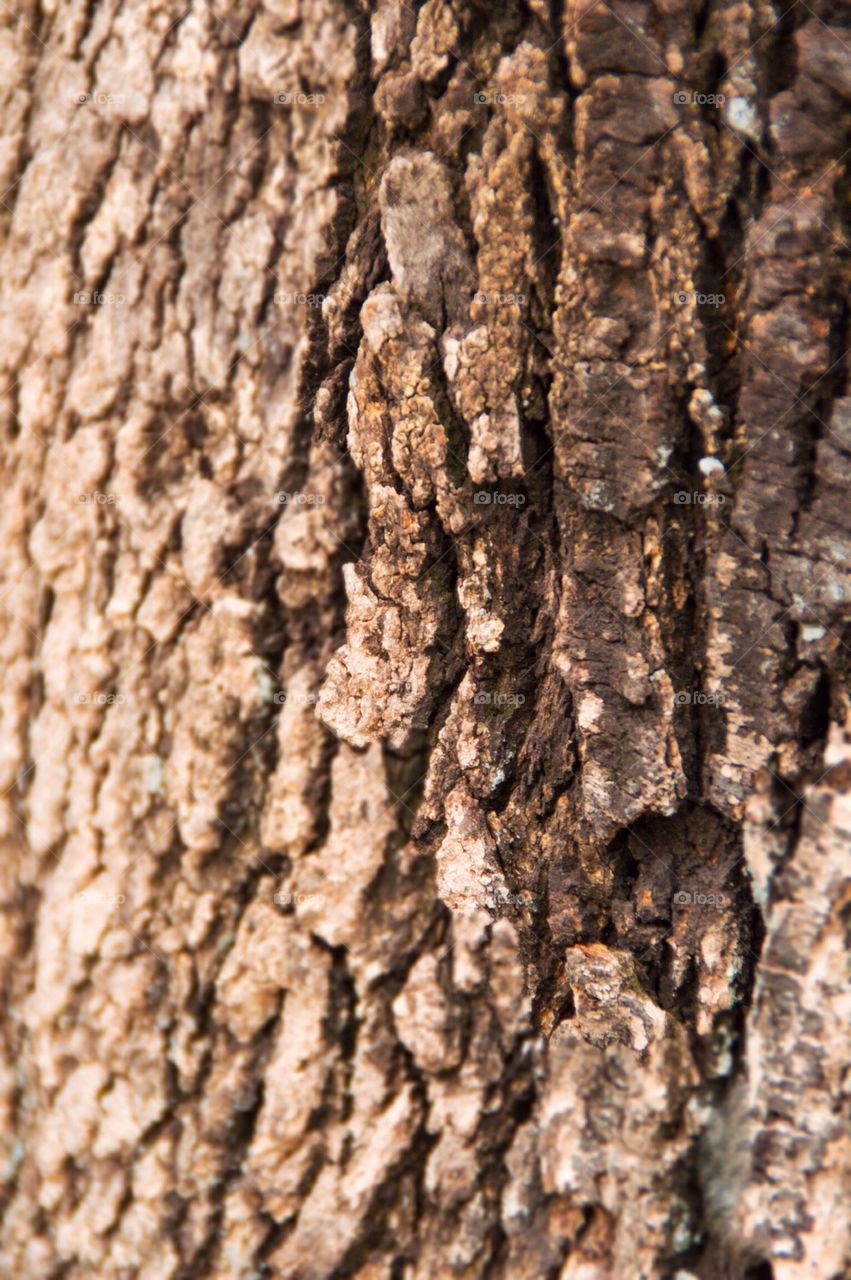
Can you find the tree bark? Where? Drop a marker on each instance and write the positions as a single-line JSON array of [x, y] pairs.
[[426, 585]]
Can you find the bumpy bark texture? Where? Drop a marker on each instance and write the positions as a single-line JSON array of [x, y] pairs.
[[426, 558]]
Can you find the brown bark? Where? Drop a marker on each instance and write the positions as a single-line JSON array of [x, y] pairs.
[[426, 577]]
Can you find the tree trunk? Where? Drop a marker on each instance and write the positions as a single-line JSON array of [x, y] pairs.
[[426, 557]]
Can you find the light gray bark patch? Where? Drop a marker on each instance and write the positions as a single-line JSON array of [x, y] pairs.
[[428, 256]]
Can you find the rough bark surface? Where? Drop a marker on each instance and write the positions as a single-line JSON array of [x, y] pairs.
[[426, 582]]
